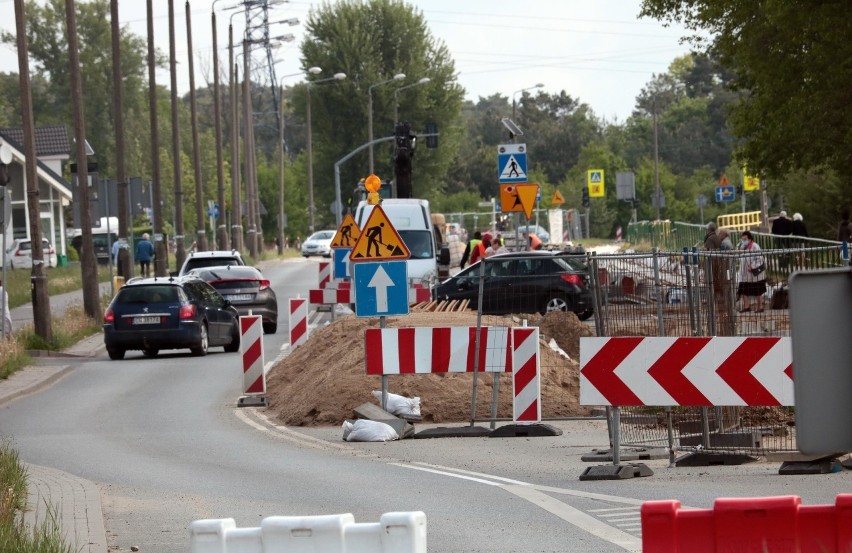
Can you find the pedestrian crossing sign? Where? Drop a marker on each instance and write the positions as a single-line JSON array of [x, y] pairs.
[[378, 239], [347, 233], [512, 163], [595, 182]]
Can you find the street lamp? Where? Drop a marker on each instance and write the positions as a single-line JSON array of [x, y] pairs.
[[396, 92], [397, 77], [336, 77], [515, 93], [281, 165]]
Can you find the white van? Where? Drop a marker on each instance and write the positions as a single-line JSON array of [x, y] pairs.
[[413, 222]]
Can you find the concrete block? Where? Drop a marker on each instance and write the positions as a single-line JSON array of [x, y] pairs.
[[822, 466], [525, 430], [706, 459], [453, 432], [373, 412], [626, 454], [616, 472]]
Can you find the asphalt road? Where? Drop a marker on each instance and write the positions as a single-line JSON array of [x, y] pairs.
[[165, 443]]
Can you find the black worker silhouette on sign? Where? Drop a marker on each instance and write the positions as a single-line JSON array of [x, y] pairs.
[[346, 234], [374, 238], [513, 168], [517, 196]]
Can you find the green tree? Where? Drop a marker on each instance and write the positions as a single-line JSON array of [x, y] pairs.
[[790, 61], [48, 51], [371, 42]]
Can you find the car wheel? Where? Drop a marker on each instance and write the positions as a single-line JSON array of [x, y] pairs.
[[116, 354], [270, 327], [585, 315], [150, 352], [235, 340], [555, 303], [201, 349]]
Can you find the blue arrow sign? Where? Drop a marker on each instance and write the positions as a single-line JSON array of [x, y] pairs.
[[381, 288], [725, 193], [341, 262]]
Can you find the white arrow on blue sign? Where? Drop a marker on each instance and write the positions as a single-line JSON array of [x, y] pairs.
[[381, 288], [341, 262]]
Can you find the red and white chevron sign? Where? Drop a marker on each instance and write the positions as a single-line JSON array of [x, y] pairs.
[[329, 296], [424, 350], [251, 351], [298, 320], [696, 371], [324, 273], [526, 376]]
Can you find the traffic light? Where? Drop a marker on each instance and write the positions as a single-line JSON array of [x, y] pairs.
[[405, 142], [586, 202], [431, 135]]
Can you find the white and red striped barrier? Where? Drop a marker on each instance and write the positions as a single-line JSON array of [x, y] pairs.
[[696, 371], [329, 296], [425, 350], [419, 294], [324, 273], [526, 375], [298, 319], [251, 351]]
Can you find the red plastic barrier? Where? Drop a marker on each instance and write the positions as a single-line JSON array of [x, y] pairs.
[[759, 525]]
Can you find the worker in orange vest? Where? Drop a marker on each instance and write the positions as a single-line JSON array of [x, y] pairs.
[[478, 252], [535, 242]]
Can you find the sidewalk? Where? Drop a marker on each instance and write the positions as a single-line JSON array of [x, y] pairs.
[[75, 502]]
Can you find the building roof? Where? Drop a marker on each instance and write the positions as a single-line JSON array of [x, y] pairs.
[[42, 170], [51, 140]]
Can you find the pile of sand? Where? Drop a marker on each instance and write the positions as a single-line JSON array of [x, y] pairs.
[[321, 381]]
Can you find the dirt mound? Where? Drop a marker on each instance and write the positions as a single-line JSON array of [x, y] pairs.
[[320, 382]]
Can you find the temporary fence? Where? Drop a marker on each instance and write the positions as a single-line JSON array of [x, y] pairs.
[[671, 293]]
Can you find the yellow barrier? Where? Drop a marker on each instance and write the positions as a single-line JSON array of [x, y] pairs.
[[739, 221]]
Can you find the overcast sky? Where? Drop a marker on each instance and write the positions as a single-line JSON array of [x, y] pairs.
[[595, 50]]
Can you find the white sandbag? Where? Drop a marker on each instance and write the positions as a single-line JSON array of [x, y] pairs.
[[363, 430], [400, 405]]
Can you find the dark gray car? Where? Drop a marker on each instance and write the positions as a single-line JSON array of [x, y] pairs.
[[247, 290]]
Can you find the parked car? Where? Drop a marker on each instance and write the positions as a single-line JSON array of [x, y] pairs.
[[319, 243], [19, 255], [524, 282], [538, 230], [153, 314], [246, 289], [212, 258]]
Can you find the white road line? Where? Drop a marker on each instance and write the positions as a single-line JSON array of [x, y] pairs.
[[621, 518], [481, 474], [578, 518], [445, 473], [611, 509]]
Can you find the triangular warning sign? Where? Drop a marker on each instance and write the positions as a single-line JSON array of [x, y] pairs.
[[347, 233], [527, 193], [724, 181], [378, 240], [557, 199], [512, 169]]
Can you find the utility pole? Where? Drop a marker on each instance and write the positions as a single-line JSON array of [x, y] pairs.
[[247, 125], [657, 196], [236, 208], [88, 262], [124, 257], [156, 201], [180, 244], [40, 298], [200, 223], [222, 229]]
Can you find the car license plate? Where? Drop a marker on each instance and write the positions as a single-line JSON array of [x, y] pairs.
[[238, 297], [146, 320]]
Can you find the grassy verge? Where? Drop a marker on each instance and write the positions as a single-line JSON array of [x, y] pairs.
[[59, 281], [16, 536], [68, 329]]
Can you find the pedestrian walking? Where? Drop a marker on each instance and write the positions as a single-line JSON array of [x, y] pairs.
[[844, 231], [145, 253], [752, 275], [471, 244]]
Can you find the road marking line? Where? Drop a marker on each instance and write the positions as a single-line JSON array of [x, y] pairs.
[[491, 476], [445, 473], [578, 518], [611, 509]]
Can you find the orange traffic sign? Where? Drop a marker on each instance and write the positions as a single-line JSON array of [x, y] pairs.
[[347, 233], [379, 240], [518, 197], [724, 181], [557, 199]]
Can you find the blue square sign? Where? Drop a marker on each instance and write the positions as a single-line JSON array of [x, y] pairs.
[[381, 288], [512, 163]]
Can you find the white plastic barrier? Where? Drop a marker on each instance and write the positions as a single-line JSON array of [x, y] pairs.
[[397, 532]]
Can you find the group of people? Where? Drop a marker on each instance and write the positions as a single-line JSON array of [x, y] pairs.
[[751, 275], [480, 247]]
